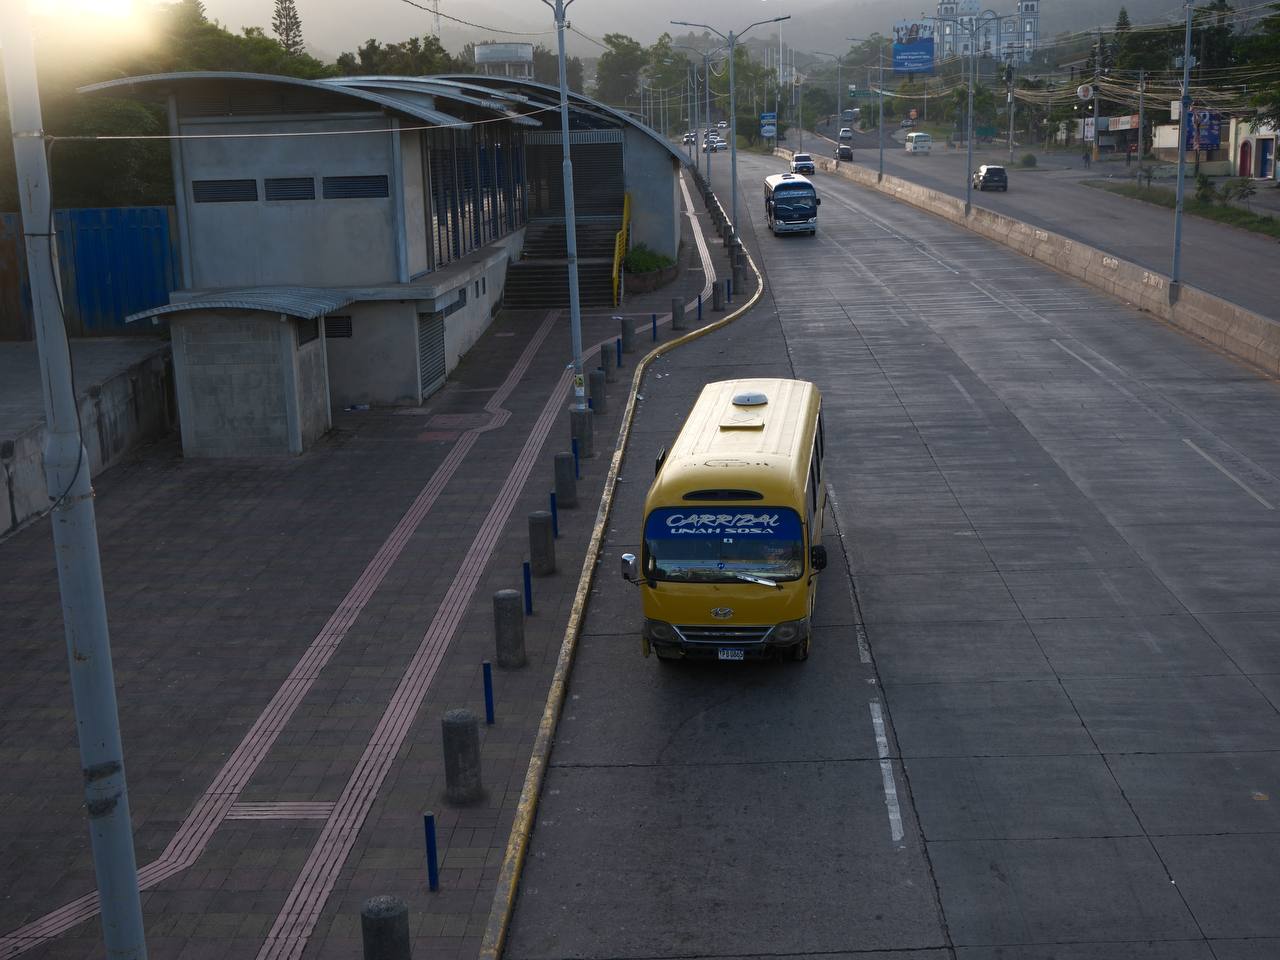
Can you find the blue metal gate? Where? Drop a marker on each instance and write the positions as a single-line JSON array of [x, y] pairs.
[[113, 261]]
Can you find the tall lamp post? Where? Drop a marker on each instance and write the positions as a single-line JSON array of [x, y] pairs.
[[974, 27], [570, 221], [879, 95], [839, 89], [732, 41], [1184, 120], [706, 117]]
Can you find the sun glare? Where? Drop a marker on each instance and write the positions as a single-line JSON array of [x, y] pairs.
[[103, 25], [108, 9]]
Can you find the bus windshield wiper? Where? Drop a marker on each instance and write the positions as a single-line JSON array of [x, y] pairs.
[[753, 579]]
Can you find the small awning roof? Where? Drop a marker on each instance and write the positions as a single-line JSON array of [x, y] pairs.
[[306, 303]]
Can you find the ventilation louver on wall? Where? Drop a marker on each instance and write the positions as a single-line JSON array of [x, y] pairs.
[[289, 188], [431, 352], [354, 188], [224, 191], [337, 327]]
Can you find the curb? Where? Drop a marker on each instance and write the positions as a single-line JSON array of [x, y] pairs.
[[496, 929]]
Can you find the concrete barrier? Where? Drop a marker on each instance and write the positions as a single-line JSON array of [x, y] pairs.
[[1226, 325]]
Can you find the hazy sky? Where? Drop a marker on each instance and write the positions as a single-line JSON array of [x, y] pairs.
[[329, 26]]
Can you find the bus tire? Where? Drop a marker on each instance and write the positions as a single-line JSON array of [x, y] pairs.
[[666, 657]]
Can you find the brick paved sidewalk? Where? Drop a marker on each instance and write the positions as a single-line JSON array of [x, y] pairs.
[[220, 576]]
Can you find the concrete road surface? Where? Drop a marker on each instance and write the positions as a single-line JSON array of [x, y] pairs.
[[1040, 717]]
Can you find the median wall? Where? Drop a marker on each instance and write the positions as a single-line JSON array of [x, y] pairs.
[[1233, 328]]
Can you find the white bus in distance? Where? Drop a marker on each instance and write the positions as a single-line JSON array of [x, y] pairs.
[[791, 204]]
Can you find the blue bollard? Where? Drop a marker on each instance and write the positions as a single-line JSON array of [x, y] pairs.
[[617, 345], [590, 405], [528, 590], [699, 308], [655, 327], [577, 473], [433, 866], [555, 517], [488, 693]]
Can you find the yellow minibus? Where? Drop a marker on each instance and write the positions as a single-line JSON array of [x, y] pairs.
[[732, 539]]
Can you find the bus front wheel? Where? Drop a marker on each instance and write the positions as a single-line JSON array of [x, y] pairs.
[[801, 650]]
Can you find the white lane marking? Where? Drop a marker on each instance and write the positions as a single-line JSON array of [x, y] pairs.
[[963, 392], [1238, 482], [886, 773], [864, 651], [1068, 350]]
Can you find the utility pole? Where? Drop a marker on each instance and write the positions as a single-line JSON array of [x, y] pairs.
[[1009, 78], [1097, 78], [75, 535], [1142, 115], [1184, 115], [570, 217]]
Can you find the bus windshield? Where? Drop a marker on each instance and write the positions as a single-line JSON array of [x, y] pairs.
[[795, 203], [723, 545]]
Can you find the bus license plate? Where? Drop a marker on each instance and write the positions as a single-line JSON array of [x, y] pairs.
[[730, 653]]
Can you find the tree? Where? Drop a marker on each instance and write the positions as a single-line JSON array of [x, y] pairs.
[[546, 68], [412, 58], [618, 71], [286, 24], [1264, 47]]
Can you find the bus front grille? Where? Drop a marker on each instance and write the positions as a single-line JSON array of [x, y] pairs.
[[723, 636]]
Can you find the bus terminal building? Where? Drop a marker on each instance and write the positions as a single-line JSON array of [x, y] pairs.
[[347, 240]]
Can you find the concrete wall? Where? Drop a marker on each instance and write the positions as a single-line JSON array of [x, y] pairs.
[[378, 363], [652, 179], [314, 416], [125, 411], [295, 242], [415, 202], [232, 371], [1242, 332]]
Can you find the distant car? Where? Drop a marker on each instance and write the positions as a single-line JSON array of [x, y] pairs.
[[803, 163], [688, 138], [989, 175], [846, 133], [908, 123], [722, 145], [723, 124], [844, 151]]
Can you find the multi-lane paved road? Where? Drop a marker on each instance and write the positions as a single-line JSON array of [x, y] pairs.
[[1046, 727], [1227, 261]]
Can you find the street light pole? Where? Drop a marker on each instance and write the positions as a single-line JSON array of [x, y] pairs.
[[879, 98], [570, 219], [75, 535], [1184, 117], [732, 40]]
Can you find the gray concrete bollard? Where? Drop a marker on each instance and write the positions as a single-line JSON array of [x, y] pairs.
[[596, 392], [717, 297], [608, 364], [628, 332], [580, 430], [566, 482], [542, 544], [737, 273], [508, 628], [461, 757], [384, 928], [677, 314]]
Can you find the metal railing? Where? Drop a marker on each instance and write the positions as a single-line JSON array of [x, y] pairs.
[[620, 248]]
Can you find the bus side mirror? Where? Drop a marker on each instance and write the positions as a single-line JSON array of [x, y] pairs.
[[659, 461], [630, 568], [818, 557], [817, 202]]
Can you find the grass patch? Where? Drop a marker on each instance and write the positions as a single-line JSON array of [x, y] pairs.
[[641, 259], [1165, 197]]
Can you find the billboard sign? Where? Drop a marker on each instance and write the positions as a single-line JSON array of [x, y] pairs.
[[504, 53], [768, 118], [768, 130], [912, 47], [1204, 132]]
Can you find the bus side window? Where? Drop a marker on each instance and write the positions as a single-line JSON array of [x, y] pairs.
[[822, 442]]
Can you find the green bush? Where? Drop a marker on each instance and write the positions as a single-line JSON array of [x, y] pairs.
[[640, 259], [1028, 160], [1206, 192]]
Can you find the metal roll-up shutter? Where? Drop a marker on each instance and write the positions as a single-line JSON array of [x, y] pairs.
[[430, 352], [599, 177]]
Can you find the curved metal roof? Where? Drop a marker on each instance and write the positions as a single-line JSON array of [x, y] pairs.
[[428, 89], [550, 95], [389, 101], [304, 302]]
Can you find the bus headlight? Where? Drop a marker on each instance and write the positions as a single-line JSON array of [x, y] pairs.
[[789, 631], [659, 631]]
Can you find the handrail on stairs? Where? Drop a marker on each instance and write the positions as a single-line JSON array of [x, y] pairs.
[[620, 240]]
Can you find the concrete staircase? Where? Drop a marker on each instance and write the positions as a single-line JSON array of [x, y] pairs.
[[540, 280]]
